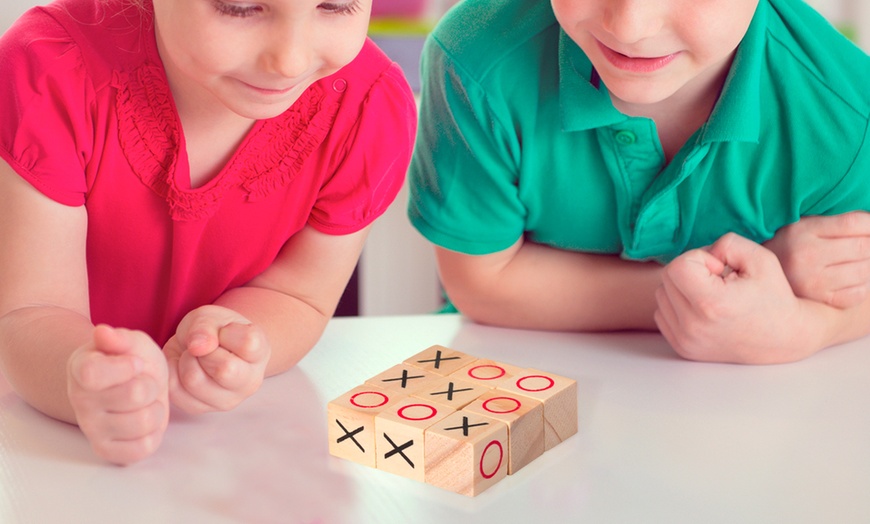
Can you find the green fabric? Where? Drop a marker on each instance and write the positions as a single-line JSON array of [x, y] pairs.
[[515, 140]]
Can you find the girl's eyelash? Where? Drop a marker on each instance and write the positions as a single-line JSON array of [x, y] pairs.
[[348, 8], [239, 11], [244, 11]]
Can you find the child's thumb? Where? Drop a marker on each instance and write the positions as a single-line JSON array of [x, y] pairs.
[[110, 340], [741, 254]]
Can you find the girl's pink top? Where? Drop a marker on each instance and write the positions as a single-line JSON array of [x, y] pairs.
[[88, 119]]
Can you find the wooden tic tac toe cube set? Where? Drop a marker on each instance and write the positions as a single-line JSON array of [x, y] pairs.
[[452, 420]]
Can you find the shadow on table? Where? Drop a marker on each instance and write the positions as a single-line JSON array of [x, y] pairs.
[[266, 461], [528, 348]]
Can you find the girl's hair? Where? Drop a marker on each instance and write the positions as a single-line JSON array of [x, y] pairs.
[[134, 3]]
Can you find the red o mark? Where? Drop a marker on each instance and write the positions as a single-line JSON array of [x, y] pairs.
[[516, 402], [500, 372], [432, 412], [550, 383], [500, 459], [362, 404]]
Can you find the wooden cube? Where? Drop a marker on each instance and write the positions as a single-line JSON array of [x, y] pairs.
[[351, 420], [451, 392], [487, 373], [399, 436], [525, 421], [452, 420], [466, 453], [558, 396], [404, 379], [440, 360]]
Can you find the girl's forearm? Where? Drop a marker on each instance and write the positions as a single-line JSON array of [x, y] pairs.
[[35, 345], [292, 325]]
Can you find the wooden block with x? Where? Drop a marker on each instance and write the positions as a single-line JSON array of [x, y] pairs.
[[351, 419], [399, 436]]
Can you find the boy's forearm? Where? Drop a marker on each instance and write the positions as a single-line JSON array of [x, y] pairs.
[[35, 345], [547, 288], [827, 326], [292, 325]]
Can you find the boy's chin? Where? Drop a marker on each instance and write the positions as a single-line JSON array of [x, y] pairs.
[[638, 94]]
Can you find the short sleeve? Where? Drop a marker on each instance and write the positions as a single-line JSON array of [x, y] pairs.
[[375, 161], [851, 193], [44, 129], [463, 178]]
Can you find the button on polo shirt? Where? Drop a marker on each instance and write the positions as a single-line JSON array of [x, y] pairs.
[[515, 140], [625, 138]]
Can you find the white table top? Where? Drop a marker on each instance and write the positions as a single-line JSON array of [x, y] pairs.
[[660, 440]]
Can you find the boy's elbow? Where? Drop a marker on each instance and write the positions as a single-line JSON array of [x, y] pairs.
[[479, 303], [477, 285]]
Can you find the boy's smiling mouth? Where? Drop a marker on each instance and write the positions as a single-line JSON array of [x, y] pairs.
[[635, 64]]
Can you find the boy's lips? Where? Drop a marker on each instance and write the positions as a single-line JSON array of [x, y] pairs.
[[636, 64]]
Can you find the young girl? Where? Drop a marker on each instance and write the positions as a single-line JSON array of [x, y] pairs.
[[200, 174], [576, 156]]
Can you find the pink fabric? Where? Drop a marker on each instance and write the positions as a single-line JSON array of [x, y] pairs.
[[401, 8], [88, 119]]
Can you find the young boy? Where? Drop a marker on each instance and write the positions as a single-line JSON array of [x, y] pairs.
[[568, 149]]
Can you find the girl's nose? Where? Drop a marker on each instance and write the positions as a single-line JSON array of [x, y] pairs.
[[290, 55], [631, 21]]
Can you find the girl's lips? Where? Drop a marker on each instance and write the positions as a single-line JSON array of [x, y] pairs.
[[635, 64], [268, 91]]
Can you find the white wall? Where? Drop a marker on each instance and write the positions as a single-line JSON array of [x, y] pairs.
[[854, 13], [397, 272], [10, 10]]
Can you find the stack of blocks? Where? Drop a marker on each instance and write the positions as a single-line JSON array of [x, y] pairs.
[[452, 420]]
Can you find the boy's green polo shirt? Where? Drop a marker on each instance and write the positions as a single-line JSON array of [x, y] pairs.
[[515, 140]]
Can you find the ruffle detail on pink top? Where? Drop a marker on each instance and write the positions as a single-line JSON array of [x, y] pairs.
[[270, 156], [281, 145]]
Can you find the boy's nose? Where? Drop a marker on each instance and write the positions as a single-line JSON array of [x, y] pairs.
[[631, 21]]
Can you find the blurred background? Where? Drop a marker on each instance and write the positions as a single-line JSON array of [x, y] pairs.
[[397, 274]]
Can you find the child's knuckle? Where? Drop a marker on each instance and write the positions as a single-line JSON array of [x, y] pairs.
[[862, 246], [228, 373]]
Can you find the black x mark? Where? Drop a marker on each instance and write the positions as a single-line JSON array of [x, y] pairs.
[[398, 449], [437, 360], [466, 426], [450, 391], [349, 435], [404, 378]]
